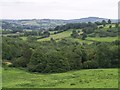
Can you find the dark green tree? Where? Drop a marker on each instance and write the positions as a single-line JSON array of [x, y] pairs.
[[109, 21], [103, 56], [84, 36], [74, 34], [104, 23], [116, 25]]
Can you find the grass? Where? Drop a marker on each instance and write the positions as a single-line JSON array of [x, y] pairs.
[[24, 38], [89, 40], [102, 39], [13, 34], [80, 40], [107, 27], [58, 36], [90, 78], [52, 32]]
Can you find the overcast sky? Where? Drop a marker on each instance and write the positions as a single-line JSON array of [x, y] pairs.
[[58, 9]]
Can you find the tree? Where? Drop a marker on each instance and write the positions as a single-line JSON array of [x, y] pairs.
[[74, 34], [110, 26], [109, 21], [90, 64], [103, 23], [74, 55], [88, 30], [11, 48], [116, 25], [115, 56], [49, 62], [19, 62], [98, 23], [56, 63], [38, 61], [25, 57], [103, 55], [46, 34], [84, 36], [31, 38]]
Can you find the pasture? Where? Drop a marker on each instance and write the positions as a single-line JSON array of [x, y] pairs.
[[102, 39], [57, 36], [90, 78]]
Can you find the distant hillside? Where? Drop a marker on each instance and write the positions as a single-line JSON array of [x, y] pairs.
[[34, 23], [90, 19], [40, 24]]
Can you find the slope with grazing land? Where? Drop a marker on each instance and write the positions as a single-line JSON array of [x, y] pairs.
[[57, 36], [102, 39], [91, 78], [104, 34]]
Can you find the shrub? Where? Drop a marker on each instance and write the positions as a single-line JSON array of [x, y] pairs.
[[19, 62], [90, 64], [56, 63], [50, 62]]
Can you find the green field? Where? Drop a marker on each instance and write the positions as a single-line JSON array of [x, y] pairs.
[[79, 40], [66, 34], [24, 38], [102, 39], [58, 36], [90, 78]]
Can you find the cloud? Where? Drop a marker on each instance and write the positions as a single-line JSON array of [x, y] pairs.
[[58, 9]]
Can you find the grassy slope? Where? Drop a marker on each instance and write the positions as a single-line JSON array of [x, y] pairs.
[[88, 40], [66, 34], [102, 39], [80, 40], [58, 36], [24, 38], [97, 78]]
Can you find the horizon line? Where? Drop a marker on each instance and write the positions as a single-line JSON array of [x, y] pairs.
[[53, 18]]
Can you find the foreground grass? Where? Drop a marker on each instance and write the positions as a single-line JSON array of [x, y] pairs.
[[97, 78]]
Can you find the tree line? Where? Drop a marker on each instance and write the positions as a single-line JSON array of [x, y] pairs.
[[61, 56]]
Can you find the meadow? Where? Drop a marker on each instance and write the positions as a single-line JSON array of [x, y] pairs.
[[57, 36], [102, 39], [90, 78]]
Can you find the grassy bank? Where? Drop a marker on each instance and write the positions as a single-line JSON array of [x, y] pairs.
[[97, 78]]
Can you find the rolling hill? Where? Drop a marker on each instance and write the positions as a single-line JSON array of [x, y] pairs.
[[49, 23]]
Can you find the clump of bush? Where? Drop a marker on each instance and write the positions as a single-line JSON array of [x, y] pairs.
[[90, 64], [19, 62], [52, 62]]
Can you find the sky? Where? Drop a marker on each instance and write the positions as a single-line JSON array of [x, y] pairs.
[[58, 9]]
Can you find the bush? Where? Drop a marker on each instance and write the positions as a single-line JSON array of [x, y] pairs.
[[37, 62], [19, 62], [90, 64], [51, 62], [56, 62]]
